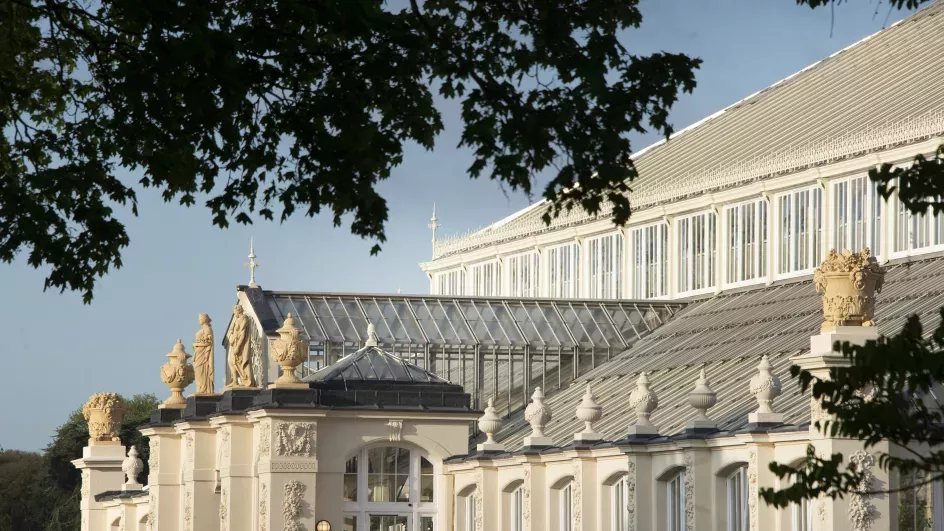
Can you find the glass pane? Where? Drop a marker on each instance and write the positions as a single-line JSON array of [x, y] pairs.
[[426, 523], [426, 488], [388, 523], [350, 523], [308, 321], [350, 479], [425, 466], [327, 318], [406, 319], [457, 321]]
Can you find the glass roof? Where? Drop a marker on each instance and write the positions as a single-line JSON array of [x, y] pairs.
[[445, 321], [371, 364]]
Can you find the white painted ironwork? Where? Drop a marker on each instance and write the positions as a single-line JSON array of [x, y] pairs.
[[653, 193]]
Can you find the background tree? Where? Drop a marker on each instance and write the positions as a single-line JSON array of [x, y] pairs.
[[265, 108], [42, 492], [19, 491]]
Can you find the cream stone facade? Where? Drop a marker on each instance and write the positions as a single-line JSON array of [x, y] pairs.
[[578, 377]]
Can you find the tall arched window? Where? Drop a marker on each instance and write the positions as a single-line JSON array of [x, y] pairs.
[[736, 490], [802, 516], [675, 502], [517, 509], [389, 488], [620, 501]]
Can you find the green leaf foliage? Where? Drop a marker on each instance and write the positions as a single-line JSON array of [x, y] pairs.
[[259, 109]]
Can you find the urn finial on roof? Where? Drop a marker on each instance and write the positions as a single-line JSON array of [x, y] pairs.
[[765, 386], [644, 401], [702, 398], [848, 282], [538, 414], [177, 374], [104, 413], [132, 466], [289, 351], [589, 411], [490, 423]]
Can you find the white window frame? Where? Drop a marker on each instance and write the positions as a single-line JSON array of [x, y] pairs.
[[453, 280], [814, 243], [469, 520], [703, 267], [565, 501], [934, 227], [485, 279], [557, 261], [675, 503], [522, 274], [517, 509], [651, 241], [605, 259], [736, 506], [845, 235], [414, 508], [802, 516], [734, 241], [619, 498]]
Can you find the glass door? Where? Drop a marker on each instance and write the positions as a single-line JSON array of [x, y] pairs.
[[389, 522]]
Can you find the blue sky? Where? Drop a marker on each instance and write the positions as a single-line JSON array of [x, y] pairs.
[[58, 351]]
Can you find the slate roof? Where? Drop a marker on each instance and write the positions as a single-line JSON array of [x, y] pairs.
[[727, 335], [886, 79]]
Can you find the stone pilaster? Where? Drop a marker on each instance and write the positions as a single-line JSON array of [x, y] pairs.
[[164, 478], [583, 495], [287, 464], [235, 462], [200, 499], [641, 498], [100, 466]]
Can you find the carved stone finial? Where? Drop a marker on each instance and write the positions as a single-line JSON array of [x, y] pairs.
[[490, 423], [848, 282], [289, 351], [373, 339], [104, 413], [177, 373], [132, 467], [589, 412], [538, 414], [702, 398], [203, 357], [765, 386], [645, 402]]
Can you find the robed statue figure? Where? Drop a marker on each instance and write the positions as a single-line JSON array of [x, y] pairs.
[[240, 355], [203, 356]]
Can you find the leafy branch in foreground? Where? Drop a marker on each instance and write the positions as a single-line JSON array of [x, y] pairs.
[[887, 393], [266, 108]]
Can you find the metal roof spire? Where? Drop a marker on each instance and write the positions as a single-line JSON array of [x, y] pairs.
[[434, 224], [252, 265]]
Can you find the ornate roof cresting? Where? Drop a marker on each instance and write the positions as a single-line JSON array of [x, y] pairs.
[[848, 282]]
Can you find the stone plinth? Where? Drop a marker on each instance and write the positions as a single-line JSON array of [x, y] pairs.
[[100, 466]]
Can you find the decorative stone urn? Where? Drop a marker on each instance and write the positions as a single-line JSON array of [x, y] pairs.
[[644, 401], [765, 386], [177, 374], [848, 282], [132, 467], [588, 412], [289, 351], [104, 413], [538, 414], [702, 398], [489, 424]]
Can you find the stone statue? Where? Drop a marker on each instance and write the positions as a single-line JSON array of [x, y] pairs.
[[203, 357], [848, 282], [240, 353], [372, 338]]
